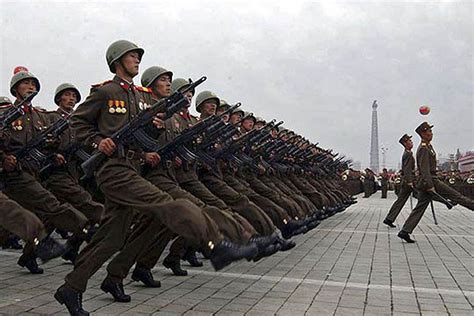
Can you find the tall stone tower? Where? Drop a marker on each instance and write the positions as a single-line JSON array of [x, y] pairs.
[[374, 140]]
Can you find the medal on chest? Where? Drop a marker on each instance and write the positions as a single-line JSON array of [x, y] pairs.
[[116, 107], [17, 125]]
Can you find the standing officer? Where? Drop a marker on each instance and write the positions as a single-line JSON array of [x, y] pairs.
[[108, 108], [407, 178]]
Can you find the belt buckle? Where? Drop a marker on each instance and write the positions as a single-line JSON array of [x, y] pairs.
[[130, 155]]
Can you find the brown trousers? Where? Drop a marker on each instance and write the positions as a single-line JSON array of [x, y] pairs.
[[239, 203], [424, 199], [278, 216], [163, 178], [19, 221], [67, 190], [405, 192], [127, 192], [29, 193], [297, 197]]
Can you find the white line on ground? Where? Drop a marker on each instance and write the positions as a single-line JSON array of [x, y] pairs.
[[328, 283], [385, 233]]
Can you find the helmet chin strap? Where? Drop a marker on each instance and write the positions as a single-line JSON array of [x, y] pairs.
[[130, 75]]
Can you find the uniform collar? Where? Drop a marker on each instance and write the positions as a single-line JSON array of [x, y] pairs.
[[62, 112], [127, 86], [27, 107]]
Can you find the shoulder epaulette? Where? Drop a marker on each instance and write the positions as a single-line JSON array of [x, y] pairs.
[[143, 89], [101, 84]]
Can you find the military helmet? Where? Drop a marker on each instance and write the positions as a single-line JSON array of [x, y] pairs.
[[238, 110], [119, 48], [152, 73], [63, 87], [180, 83], [223, 105], [260, 120], [249, 115], [282, 131], [5, 100], [203, 97], [22, 75]]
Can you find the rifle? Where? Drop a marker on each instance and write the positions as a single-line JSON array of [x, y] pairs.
[[15, 112], [32, 148], [134, 128], [177, 145], [74, 149], [439, 198]]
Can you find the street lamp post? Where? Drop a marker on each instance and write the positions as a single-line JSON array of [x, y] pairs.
[[384, 150]]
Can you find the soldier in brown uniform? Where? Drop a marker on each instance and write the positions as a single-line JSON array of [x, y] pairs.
[[206, 104], [21, 222], [162, 175], [63, 180], [428, 182], [21, 182], [407, 178], [108, 108], [384, 183]]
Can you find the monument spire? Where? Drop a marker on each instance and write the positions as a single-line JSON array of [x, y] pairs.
[[374, 140]]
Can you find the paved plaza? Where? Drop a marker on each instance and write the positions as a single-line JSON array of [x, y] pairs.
[[351, 264]]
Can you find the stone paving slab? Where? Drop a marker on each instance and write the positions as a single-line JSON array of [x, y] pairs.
[[351, 264]]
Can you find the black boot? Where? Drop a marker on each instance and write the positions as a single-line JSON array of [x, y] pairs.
[[72, 248], [30, 263], [72, 299], [286, 244], [64, 234], [226, 252], [190, 257], [405, 236], [141, 274], [48, 248], [12, 242], [312, 223], [115, 289], [266, 245], [263, 241], [267, 251], [389, 223], [175, 266], [293, 228]]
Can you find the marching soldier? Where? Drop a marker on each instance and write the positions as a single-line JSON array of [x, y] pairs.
[[428, 183], [21, 177], [63, 181], [108, 108], [407, 179], [384, 182]]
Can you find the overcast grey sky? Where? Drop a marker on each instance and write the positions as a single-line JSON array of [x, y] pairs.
[[316, 65]]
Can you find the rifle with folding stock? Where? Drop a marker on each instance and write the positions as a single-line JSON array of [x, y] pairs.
[[14, 112], [134, 130]]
